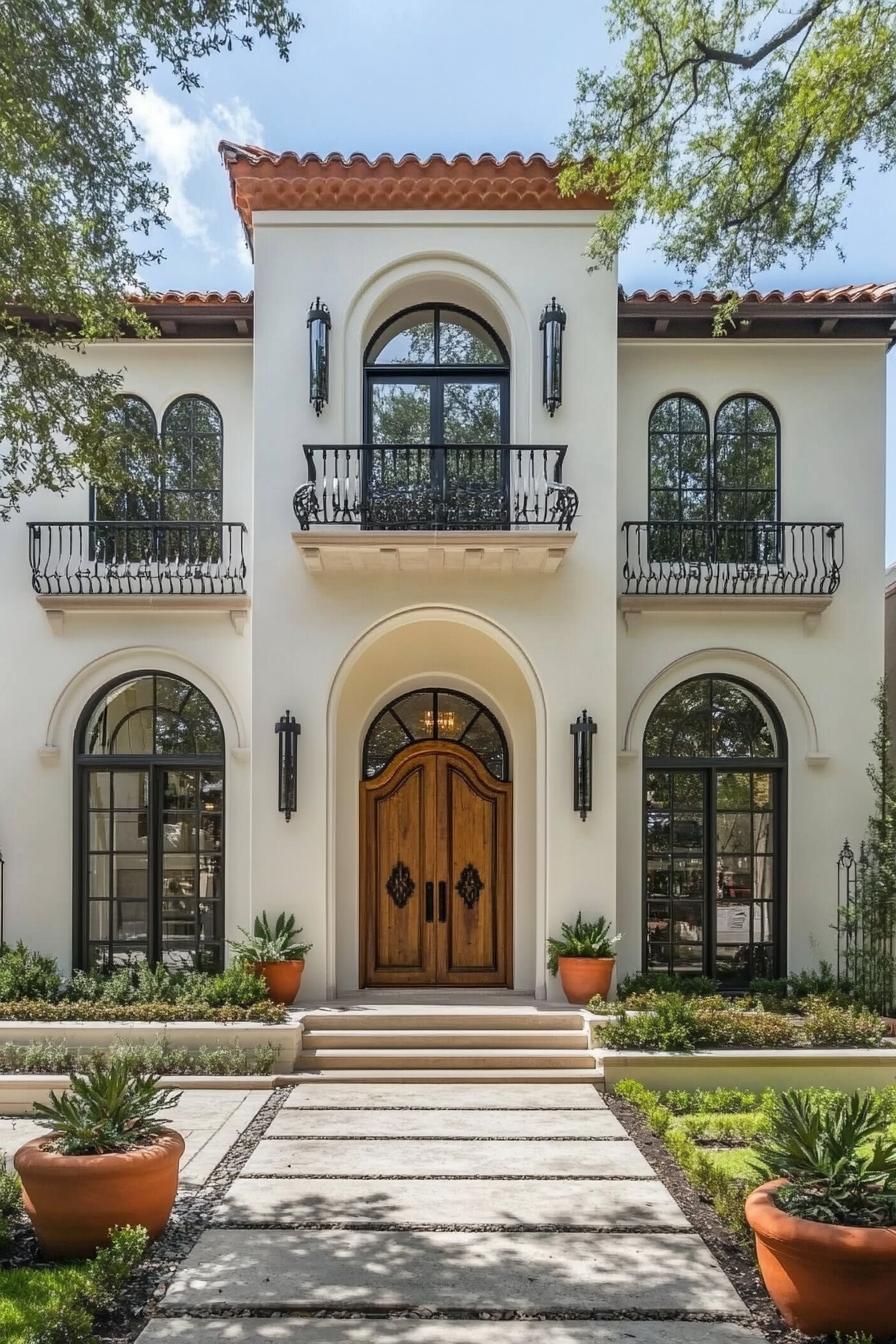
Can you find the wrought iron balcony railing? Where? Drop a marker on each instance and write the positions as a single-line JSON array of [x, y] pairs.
[[133, 558], [415, 487], [732, 558]]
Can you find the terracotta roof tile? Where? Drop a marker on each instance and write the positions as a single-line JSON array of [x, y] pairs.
[[263, 180], [870, 293], [207, 298]]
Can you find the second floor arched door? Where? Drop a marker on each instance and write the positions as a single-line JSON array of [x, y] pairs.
[[436, 423]]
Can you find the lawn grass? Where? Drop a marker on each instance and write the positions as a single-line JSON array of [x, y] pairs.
[[26, 1295]]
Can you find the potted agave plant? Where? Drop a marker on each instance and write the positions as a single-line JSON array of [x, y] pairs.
[[276, 954], [584, 957], [109, 1161], [825, 1228]]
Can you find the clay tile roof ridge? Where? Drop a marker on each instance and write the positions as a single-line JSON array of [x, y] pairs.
[[255, 154], [871, 292], [198, 297]]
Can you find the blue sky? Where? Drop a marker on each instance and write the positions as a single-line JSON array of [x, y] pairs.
[[422, 76]]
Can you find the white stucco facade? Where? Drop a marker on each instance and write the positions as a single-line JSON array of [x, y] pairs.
[[534, 647]]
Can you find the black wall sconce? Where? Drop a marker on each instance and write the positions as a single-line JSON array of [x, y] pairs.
[[287, 731], [553, 321], [318, 355], [583, 731]]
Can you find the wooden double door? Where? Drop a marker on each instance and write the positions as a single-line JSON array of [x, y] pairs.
[[435, 871]]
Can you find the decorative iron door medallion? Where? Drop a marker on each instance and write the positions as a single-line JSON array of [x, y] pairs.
[[400, 885], [469, 885]]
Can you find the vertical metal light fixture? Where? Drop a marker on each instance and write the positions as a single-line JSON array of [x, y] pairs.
[[287, 731], [553, 321], [583, 731], [318, 355]]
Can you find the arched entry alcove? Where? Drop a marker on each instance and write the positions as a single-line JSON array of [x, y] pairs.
[[457, 652]]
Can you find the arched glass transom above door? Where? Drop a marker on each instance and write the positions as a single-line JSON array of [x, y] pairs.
[[150, 826], [714, 780], [436, 420], [434, 714]]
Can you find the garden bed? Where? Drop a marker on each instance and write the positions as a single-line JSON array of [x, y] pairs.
[[285, 1037]]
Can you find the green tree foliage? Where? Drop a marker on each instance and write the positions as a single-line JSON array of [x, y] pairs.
[[734, 126], [77, 203]]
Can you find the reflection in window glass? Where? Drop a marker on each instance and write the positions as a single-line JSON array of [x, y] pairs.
[[410, 339], [710, 832], [463, 340]]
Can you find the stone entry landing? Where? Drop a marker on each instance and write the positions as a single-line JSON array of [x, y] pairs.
[[402, 1214]]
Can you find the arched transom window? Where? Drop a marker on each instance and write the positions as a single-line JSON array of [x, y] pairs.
[[435, 714], [714, 760], [150, 753]]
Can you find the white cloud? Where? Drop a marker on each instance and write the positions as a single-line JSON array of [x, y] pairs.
[[180, 147]]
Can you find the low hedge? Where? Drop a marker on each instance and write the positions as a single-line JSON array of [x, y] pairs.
[[725, 1192], [680, 1025], [38, 1010], [151, 1057]]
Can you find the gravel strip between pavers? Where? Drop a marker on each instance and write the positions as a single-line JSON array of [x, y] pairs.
[[147, 1286], [735, 1259]]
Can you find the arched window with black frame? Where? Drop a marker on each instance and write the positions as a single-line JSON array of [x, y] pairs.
[[435, 714], [746, 469], [679, 478], [436, 414], [715, 760], [149, 753], [134, 436]]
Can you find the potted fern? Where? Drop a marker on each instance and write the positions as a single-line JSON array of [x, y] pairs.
[[825, 1226], [276, 954], [109, 1161], [584, 957]]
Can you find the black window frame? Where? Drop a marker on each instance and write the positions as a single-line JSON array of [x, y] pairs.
[[750, 540], [711, 767], [154, 765]]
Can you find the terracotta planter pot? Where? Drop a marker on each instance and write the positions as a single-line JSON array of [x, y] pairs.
[[75, 1202], [822, 1277], [583, 977], [281, 977]]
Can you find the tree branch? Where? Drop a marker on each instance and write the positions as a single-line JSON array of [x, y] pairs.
[[746, 62]]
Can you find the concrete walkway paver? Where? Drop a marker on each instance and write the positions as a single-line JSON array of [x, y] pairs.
[[466, 1203], [385, 1331], [452, 1199]]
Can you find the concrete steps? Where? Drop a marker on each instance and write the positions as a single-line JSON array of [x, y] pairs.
[[436, 1044]]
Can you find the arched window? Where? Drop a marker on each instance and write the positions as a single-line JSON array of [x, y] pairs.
[[745, 456], [134, 433], [430, 714], [679, 478], [714, 763], [192, 452], [436, 411], [150, 840]]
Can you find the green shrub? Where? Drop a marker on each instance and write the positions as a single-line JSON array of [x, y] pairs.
[[839, 1165], [734, 1029], [109, 1108], [10, 1204], [35, 1010], [657, 982], [96, 1287], [716, 1101], [811, 984], [670, 1026], [159, 1056], [27, 975], [827, 1024], [237, 986]]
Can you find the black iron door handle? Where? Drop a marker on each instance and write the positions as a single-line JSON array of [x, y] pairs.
[[429, 891], [443, 902]]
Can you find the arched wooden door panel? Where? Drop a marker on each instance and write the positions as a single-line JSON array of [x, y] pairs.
[[435, 871]]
